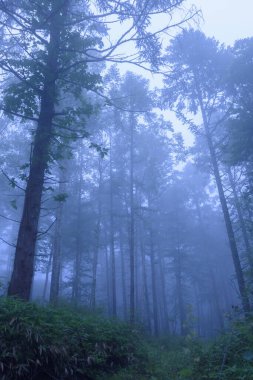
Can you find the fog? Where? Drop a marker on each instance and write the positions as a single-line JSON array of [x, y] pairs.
[[127, 190]]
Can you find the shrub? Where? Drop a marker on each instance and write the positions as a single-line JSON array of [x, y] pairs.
[[46, 343]]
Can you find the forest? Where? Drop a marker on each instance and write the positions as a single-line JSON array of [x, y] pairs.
[[126, 202]]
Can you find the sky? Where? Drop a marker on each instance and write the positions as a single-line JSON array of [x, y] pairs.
[[226, 20]]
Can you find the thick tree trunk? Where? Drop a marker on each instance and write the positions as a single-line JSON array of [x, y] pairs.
[[22, 275]]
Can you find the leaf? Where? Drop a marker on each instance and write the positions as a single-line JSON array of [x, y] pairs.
[[25, 166], [248, 355], [14, 204], [185, 372], [61, 197]]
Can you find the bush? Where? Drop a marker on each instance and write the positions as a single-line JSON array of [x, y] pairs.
[[230, 357], [43, 343], [46, 343]]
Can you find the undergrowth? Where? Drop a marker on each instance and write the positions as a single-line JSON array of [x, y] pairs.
[[42, 343], [45, 343]]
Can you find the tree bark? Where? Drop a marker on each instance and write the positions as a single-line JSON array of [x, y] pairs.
[[23, 270]]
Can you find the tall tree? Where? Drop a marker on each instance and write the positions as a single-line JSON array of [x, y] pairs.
[[53, 55], [197, 85]]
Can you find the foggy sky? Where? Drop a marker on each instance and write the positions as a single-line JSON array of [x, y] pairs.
[[226, 20]]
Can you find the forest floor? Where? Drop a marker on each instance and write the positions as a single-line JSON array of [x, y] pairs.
[[43, 343]]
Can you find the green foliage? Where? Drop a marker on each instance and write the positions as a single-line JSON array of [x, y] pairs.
[[168, 358], [230, 357], [14, 204], [61, 197], [46, 343]]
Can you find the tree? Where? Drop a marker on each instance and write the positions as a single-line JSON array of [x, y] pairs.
[[240, 93], [197, 84], [53, 57]]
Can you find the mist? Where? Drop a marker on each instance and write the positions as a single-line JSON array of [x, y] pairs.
[[126, 164]]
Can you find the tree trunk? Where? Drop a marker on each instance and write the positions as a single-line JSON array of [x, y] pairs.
[[97, 243], [77, 270], [123, 276], [56, 265], [132, 224], [112, 248], [108, 290], [163, 292], [154, 283], [23, 270], [49, 264], [145, 286], [229, 228], [179, 292]]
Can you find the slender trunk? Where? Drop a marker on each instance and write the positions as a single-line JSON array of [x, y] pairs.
[[145, 285], [112, 248], [123, 276], [108, 290], [241, 221], [56, 264], [163, 292], [154, 283], [49, 264], [23, 270], [179, 292], [228, 223], [197, 301], [132, 224], [97, 243], [77, 270]]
